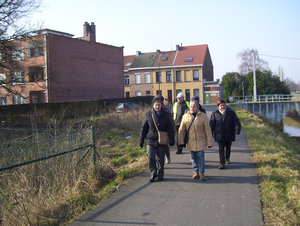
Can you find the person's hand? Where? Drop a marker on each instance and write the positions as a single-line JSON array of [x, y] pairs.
[[141, 145], [171, 143]]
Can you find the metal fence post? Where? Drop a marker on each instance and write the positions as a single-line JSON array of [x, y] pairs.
[[94, 148]]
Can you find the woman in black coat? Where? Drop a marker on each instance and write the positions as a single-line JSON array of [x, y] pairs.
[[224, 125], [149, 132]]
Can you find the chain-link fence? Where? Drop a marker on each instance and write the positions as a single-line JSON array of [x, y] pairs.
[[40, 169]]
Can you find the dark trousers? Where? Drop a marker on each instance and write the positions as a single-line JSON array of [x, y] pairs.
[[227, 147], [178, 148], [156, 159]]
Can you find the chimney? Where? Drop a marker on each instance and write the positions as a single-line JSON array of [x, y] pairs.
[[138, 53], [158, 51], [89, 32], [177, 47]]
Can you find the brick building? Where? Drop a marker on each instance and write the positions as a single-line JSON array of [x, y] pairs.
[[57, 67]]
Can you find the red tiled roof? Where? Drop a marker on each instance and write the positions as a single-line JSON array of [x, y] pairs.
[[196, 52], [168, 62], [128, 59]]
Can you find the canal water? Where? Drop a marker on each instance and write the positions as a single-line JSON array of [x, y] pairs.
[[291, 126], [278, 112]]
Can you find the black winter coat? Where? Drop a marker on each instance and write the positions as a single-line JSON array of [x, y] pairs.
[[149, 131], [224, 127]]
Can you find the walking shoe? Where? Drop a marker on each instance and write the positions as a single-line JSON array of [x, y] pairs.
[[178, 152], [227, 161], [168, 160], [152, 178], [222, 166], [202, 177], [196, 176]]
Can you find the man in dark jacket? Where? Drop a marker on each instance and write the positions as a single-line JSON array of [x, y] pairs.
[[178, 111], [224, 125], [157, 115]]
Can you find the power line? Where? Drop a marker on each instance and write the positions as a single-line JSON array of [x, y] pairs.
[[291, 58]]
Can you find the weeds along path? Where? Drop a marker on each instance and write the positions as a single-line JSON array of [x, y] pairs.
[[55, 190]]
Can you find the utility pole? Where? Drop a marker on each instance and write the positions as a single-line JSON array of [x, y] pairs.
[[159, 73], [243, 92], [254, 79]]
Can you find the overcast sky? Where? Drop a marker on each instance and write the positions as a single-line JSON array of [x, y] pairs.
[[272, 27]]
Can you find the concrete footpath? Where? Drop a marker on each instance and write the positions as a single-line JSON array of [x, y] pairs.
[[227, 197]]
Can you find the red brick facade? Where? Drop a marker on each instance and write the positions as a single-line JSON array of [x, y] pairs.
[[69, 69]]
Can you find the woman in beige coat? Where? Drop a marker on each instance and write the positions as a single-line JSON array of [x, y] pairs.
[[200, 137]]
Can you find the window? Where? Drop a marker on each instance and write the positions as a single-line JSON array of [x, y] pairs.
[[158, 92], [137, 78], [2, 100], [2, 79], [127, 94], [148, 93], [189, 59], [169, 77], [36, 74], [178, 76], [206, 88], [127, 65], [17, 54], [158, 77], [126, 80], [35, 48], [18, 100], [196, 92], [18, 78], [138, 93], [195, 75], [147, 77], [170, 96], [37, 97], [165, 58], [187, 95]]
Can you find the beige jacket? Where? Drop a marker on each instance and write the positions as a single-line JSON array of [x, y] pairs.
[[200, 136]]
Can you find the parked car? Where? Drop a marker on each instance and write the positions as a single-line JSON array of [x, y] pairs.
[[126, 106]]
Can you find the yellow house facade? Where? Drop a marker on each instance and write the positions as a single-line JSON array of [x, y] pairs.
[[184, 70]]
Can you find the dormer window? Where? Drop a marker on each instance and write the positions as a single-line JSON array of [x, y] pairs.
[[128, 64], [189, 59], [165, 58]]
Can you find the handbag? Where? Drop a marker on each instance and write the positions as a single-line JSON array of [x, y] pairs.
[[186, 135], [162, 136]]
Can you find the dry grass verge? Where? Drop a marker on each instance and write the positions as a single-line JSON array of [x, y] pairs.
[[51, 193], [277, 158]]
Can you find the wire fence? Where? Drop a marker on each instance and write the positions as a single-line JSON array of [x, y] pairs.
[[43, 168]]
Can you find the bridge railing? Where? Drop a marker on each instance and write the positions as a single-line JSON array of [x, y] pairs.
[[265, 98]]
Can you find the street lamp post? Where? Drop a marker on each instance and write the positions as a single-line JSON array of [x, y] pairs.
[[159, 73], [254, 79]]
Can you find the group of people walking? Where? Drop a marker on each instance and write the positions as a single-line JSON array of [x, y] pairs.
[[188, 120]]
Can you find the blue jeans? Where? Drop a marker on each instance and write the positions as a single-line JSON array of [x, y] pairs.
[[198, 161]]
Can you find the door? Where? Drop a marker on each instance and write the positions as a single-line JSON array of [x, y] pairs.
[[207, 98]]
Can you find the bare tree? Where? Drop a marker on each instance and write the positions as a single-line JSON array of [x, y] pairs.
[[292, 85], [246, 65], [14, 25]]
